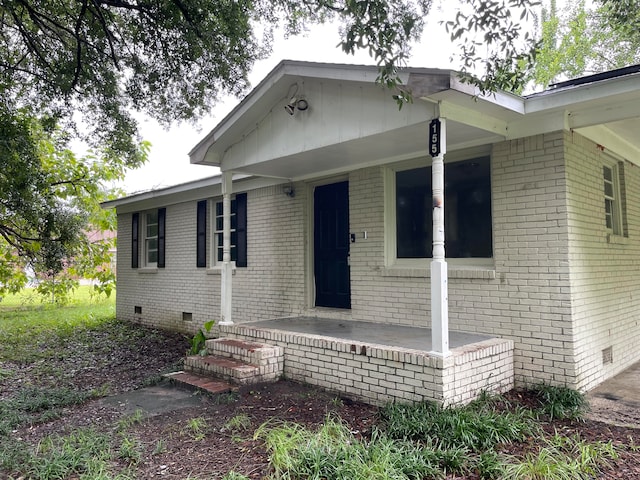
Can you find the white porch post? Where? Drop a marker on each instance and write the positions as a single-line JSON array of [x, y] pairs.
[[227, 272], [439, 281]]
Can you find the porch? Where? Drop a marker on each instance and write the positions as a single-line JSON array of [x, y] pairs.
[[379, 363]]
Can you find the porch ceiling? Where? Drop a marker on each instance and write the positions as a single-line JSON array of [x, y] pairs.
[[394, 145]]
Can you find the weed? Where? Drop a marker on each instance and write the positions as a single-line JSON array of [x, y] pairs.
[[197, 428], [240, 422], [234, 476], [561, 402], [225, 398], [563, 458], [159, 448], [129, 421], [199, 339], [35, 405], [80, 452], [130, 450]]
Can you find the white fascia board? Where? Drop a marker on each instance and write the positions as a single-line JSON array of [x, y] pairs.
[[187, 192], [568, 97]]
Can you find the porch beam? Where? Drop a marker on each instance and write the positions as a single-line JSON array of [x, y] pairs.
[[227, 270], [439, 274]]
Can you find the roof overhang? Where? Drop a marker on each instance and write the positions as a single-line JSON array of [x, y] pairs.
[[352, 121]]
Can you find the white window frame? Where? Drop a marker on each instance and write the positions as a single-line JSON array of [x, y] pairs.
[[613, 215], [146, 238], [216, 238], [391, 259]]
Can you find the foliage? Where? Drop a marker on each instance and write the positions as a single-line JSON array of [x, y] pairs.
[[199, 339], [334, 452], [563, 458], [197, 427], [477, 427], [585, 39], [496, 49], [37, 333], [82, 453], [49, 200], [561, 402], [34, 405]]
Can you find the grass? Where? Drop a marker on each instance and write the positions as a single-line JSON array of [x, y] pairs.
[[83, 453], [476, 427], [428, 441], [408, 441], [32, 332], [561, 403]]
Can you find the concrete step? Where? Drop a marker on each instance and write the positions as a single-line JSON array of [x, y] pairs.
[[200, 382]]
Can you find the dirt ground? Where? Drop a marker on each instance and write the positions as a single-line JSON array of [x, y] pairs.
[[210, 435]]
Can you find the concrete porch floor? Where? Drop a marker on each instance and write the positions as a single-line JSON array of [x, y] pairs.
[[413, 338]]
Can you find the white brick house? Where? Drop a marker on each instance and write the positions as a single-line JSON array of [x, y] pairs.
[[542, 217]]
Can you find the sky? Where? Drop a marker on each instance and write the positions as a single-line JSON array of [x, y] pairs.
[[169, 161]]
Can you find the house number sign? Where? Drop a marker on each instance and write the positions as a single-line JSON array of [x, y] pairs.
[[435, 137]]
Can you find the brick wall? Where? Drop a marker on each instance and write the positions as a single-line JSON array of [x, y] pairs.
[[547, 212], [605, 269], [269, 287], [525, 298], [379, 375]]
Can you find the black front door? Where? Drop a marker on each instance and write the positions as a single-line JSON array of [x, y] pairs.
[[331, 245]]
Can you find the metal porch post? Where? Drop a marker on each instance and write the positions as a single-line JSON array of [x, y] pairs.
[[439, 280], [227, 272]]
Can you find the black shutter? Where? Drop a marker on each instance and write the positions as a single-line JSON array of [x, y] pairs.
[[162, 220], [201, 234], [241, 230], [135, 251]]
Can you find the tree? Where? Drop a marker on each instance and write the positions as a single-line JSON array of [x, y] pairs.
[[585, 40], [84, 67], [48, 199]]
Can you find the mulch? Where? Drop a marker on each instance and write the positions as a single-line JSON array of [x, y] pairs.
[[172, 448]]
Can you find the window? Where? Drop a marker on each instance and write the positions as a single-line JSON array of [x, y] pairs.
[[238, 231], [201, 234], [152, 228], [151, 239], [612, 204], [468, 224]]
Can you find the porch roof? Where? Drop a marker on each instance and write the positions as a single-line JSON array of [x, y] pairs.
[[351, 122]]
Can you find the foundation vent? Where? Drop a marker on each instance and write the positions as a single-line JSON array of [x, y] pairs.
[[137, 310], [187, 316], [607, 355]]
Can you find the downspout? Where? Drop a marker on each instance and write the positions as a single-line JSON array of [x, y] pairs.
[[227, 270]]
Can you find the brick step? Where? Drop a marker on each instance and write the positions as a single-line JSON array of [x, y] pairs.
[[228, 369], [244, 350], [199, 382]]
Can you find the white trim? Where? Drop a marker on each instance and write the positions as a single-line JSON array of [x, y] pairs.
[[617, 227], [146, 264], [391, 261]]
